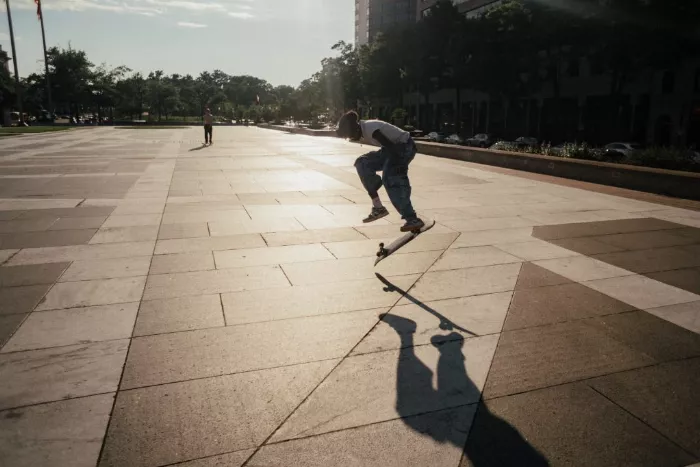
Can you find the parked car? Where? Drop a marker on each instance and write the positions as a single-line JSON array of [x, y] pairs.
[[482, 140], [501, 145], [620, 150], [437, 137], [454, 139], [559, 149], [526, 141]]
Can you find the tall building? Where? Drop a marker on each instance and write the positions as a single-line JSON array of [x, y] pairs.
[[361, 22], [470, 8], [375, 16]]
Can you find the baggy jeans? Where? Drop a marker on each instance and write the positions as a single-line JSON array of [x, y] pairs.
[[208, 133], [394, 167]]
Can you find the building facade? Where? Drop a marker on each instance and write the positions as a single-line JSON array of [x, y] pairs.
[[375, 16], [470, 8]]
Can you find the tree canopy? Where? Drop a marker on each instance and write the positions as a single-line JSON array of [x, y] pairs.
[[516, 49]]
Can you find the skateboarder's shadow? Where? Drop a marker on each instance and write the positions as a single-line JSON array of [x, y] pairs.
[[447, 415]]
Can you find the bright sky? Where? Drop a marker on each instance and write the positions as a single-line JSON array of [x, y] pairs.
[[282, 41]]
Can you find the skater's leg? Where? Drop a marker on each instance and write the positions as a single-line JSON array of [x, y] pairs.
[[367, 167], [211, 134], [398, 186], [206, 135]]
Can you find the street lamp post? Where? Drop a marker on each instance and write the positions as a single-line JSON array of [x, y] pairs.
[[18, 89], [46, 60]]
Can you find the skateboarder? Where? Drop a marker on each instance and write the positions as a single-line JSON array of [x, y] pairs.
[[397, 151], [208, 129]]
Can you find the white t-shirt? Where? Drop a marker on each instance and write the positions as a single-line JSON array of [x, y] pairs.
[[393, 134]]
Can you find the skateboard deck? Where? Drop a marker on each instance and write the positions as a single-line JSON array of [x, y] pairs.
[[396, 245]]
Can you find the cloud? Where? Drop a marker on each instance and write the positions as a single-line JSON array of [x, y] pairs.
[[188, 5], [240, 14], [239, 9], [185, 24]]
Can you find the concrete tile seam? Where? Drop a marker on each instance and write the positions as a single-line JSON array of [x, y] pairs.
[[583, 380], [631, 414], [340, 361]]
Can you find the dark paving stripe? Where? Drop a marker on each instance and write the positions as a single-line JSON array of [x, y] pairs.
[[663, 396], [8, 325], [15, 300], [559, 303], [10, 215], [646, 240], [591, 229], [686, 279], [663, 251], [46, 239], [35, 274], [568, 425], [648, 334], [585, 245], [532, 276], [654, 260], [97, 211], [544, 356], [27, 225]]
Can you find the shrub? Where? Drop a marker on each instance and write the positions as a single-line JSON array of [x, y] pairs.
[[665, 158], [399, 114]]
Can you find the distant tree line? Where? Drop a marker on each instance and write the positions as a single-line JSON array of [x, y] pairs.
[[515, 50]]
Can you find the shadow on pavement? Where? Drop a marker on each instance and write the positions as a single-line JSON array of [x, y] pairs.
[[445, 323], [198, 148], [492, 441]]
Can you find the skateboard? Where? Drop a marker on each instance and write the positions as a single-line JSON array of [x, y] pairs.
[[396, 245]]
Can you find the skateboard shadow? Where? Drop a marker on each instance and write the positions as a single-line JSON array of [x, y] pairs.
[[445, 323], [442, 413], [446, 412]]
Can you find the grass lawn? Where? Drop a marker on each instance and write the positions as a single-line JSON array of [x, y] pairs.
[[22, 130]]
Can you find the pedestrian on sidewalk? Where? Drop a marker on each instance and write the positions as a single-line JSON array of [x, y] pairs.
[[397, 151], [208, 127]]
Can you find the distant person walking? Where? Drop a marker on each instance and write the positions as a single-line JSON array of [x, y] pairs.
[[208, 128]]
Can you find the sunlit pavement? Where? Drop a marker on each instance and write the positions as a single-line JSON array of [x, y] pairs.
[[166, 303]]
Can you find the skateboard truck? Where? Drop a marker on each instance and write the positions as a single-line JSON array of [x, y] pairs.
[[382, 251]]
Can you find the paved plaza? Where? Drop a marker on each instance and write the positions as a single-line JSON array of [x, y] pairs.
[[162, 303]]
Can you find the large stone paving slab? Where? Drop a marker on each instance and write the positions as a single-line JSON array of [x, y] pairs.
[[217, 351], [671, 387], [74, 326], [62, 434], [60, 373], [565, 425], [383, 386], [178, 422], [432, 439], [240, 277]]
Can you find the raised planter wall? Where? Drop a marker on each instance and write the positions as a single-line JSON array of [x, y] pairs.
[[663, 182], [298, 130]]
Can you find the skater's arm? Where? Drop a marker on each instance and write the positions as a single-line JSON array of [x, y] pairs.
[[383, 140]]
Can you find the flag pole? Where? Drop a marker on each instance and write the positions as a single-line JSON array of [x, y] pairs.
[[40, 13], [18, 89]]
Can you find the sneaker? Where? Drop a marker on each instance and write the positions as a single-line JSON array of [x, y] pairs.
[[377, 213], [412, 225]]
